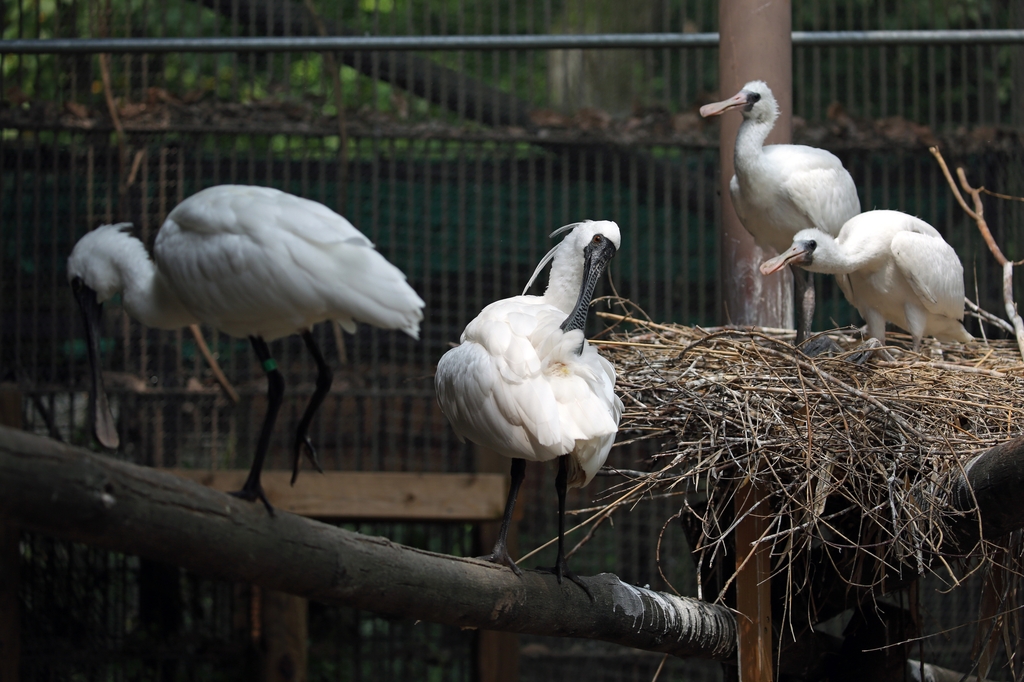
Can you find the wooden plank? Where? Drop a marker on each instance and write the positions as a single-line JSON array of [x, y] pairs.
[[753, 587], [10, 610], [372, 495], [497, 655], [988, 636], [10, 557], [285, 635]]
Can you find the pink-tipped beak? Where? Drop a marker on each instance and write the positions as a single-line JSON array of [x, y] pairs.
[[737, 100], [796, 254]]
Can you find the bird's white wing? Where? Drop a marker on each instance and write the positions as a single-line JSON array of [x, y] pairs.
[[248, 209], [251, 260], [480, 404], [817, 184], [583, 384], [933, 270], [517, 386], [493, 389]]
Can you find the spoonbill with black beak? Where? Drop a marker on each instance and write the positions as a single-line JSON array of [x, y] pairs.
[[525, 383], [251, 262]]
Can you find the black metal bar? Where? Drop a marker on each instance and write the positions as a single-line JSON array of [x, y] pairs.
[[490, 42]]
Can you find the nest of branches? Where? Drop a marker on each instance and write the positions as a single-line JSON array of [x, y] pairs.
[[853, 459]]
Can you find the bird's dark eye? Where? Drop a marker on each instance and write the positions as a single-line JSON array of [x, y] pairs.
[[597, 239], [812, 245], [753, 97]]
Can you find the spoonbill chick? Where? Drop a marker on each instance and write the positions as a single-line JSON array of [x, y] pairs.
[[890, 266], [525, 383], [251, 262], [781, 189]]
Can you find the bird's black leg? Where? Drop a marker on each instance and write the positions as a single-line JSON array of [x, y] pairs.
[[561, 567], [324, 377], [803, 301], [499, 554], [252, 489]]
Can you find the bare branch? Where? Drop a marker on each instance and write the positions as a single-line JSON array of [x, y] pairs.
[[218, 373], [978, 213], [979, 217]]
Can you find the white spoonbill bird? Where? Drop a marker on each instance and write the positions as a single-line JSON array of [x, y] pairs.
[[251, 262], [890, 266], [781, 189], [525, 383]]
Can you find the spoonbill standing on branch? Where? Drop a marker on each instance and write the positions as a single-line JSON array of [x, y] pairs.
[[525, 383], [781, 189], [251, 262], [890, 266]]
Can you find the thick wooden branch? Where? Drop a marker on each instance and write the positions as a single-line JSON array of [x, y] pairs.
[[995, 479], [52, 488]]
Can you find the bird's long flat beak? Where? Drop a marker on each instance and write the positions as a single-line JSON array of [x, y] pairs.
[[799, 253], [595, 260], [737, 100], [99, 409]]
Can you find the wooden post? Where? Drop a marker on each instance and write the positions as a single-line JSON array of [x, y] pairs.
[[753, 587], [285, 630], [10, 611], [497, 654], [987, 639], [10, 558], [755, 43]]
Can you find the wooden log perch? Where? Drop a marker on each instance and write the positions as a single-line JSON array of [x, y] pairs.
[[994, 480], [68, 492]]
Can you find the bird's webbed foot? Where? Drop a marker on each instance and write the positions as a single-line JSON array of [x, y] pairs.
[[561, 569], [303, 443], [871, 347], [820, 345], [500, 555], [251, 493]]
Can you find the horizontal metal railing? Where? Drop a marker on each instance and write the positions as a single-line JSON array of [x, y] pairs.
[[492, 42]]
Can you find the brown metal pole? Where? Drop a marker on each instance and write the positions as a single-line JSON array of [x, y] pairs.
[[755, 43]]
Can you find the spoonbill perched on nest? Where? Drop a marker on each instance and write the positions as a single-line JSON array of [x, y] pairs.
[[251, 262], [890, 266], [781, 189], [525, 383]]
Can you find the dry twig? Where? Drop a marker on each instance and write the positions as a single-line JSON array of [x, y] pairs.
[[856, 458], [978, 214]]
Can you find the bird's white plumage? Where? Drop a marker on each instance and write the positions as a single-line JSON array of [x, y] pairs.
[[517, 384], [896, 267], [255, 261], [781, 189], [111, 261]]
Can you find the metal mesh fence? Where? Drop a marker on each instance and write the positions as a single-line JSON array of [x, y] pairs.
[[457, 164]]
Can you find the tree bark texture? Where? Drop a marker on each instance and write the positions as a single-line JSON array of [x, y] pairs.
[[67, 492]]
